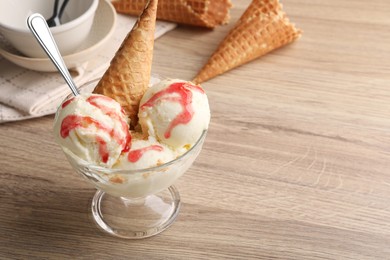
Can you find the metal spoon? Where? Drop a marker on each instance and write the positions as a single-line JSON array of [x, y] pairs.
[[38, 26], [55, 19]]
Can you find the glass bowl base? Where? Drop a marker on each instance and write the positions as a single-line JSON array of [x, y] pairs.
[[136, 218]]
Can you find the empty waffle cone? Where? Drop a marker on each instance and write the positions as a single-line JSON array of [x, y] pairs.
[[262, 28], [128, 75], [204, 13]]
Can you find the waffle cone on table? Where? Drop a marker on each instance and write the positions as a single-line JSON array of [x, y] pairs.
[[204, 13], [262, 28], [128, 75]]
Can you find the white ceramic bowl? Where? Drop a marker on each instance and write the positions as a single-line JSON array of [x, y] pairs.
[[76, 23]]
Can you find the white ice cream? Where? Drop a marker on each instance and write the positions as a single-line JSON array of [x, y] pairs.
[[173, 115], [93, 127], [175, 112], [145, 154]]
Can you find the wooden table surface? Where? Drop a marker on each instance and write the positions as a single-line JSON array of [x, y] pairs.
[[296, 164]]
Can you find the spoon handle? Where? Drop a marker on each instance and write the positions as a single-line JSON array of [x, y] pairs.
[[62, 8], [38, 26]]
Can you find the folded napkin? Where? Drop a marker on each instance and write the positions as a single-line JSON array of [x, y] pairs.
[[27, 94]]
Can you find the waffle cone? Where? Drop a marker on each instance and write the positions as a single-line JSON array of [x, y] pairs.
[[203, 13], [128, 75], [262, 28]]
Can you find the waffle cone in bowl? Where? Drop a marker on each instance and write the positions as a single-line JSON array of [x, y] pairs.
[[262, 28], [128, 75], [203, 13]]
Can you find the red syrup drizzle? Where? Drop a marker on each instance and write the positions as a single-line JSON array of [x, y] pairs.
[[103, 151], [134, 155], [71, 122], [112, 113], [184, 98], [67, 102]]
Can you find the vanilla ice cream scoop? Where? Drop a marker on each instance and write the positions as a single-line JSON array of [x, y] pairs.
[[175, 112], [92, 127], [145, 154]]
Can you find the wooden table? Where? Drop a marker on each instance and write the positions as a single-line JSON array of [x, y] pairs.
[[296, 164]]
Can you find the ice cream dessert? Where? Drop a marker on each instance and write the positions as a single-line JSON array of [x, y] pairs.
[[133, 140], [93, 127], [93, 130], [173, 115], [94, 134], [122, 133]]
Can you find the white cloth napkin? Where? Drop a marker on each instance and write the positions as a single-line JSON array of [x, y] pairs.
[[27, 94]]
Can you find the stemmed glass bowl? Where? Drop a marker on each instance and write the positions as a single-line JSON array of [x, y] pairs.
[[135, 203]]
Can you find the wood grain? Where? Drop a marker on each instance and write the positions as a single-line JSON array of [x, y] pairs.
[[295, 165]]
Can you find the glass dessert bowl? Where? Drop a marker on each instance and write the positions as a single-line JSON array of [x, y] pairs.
[[134, 203]]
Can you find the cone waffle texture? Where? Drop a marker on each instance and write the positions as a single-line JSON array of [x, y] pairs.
[[262, 28], [203, 13], [128, 75]]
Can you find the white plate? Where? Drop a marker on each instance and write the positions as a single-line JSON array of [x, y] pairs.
[[102, 29]]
